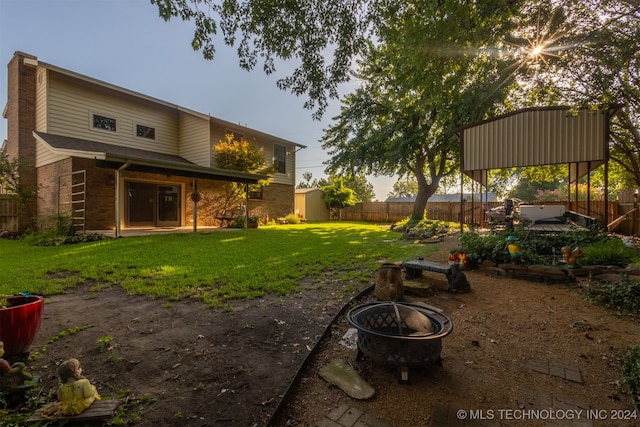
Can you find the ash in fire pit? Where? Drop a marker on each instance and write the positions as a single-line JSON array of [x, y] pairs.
[[402, 334]]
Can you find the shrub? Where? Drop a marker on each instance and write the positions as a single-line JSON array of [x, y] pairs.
[[623, 296], [292, 219], [610, 252], [537, 248], [631, 374], [425, 228]]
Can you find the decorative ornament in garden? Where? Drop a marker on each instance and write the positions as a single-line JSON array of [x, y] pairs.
[[20, 321]]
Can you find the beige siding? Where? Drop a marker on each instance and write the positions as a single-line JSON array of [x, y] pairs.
[[217, 135], [266, 145], [71, 108], [44, 156], [194, 139], [534, 137]]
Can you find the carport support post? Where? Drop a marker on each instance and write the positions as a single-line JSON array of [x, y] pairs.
[[461, 203]]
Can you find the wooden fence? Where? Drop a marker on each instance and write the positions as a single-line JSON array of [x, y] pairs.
[[8, 214], [475, 212]]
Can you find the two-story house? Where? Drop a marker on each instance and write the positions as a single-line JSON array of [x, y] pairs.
[[113, 158]]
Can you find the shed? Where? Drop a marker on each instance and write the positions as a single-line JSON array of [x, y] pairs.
[[310, 206]]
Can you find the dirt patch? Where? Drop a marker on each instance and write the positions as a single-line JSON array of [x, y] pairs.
[[186, 364], [504, 329]]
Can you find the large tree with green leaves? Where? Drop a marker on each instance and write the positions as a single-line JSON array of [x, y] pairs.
[[431, 71], [322, 36], [584, 52], [588, 56]]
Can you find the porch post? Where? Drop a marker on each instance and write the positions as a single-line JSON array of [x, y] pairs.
[[195, 205], [118, 207]]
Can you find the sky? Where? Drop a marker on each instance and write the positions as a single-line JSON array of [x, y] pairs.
[[126, 43]]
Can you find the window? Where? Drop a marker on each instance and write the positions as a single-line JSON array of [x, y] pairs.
[[237, 136], [255, 191], [145, 132], [280, 158], [102, 122]]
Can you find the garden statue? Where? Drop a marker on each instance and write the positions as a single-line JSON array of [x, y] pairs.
[[457, 279], [453, 257], [76, 393], [514, 250], [11, 376], [571, 256], [456, 256]]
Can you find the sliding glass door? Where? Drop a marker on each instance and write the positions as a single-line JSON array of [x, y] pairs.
[[150, 204]]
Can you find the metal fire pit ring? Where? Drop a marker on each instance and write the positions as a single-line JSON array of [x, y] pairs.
[[400, 333]]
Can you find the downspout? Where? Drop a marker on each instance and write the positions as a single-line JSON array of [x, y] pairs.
[[118, 177]]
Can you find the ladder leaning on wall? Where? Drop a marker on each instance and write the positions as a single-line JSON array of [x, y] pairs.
[[72, 191]]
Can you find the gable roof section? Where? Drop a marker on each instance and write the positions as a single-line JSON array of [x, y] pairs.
[[115, 156]]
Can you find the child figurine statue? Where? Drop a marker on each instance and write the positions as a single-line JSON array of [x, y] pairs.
[[11, 376], [514, 250], [76, 393]]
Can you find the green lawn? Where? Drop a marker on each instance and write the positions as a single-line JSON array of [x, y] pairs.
[[213, 266]]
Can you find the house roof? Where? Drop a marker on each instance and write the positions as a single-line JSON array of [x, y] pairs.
[[306, 190], [115, 156]]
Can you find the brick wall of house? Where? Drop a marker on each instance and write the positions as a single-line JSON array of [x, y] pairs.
[[49, 197], [277, 201], [100, 194]]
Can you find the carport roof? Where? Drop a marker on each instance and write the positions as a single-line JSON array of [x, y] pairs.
[[116, 156]]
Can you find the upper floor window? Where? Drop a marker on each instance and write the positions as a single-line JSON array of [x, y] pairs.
[[145, 132], [237, 136], [280, 158], [102, 122]]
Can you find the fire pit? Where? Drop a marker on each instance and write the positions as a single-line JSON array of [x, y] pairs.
[[400, 333]]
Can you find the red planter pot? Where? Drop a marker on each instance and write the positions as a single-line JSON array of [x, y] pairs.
[[20, 323]]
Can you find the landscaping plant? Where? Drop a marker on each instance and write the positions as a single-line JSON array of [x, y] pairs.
[[631, 374]]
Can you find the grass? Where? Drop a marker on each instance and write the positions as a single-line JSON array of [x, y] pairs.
[[212, 266]]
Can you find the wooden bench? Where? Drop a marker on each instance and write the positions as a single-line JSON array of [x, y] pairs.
[[100, 410], [414, 268]]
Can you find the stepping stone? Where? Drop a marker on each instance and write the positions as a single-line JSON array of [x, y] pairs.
[[566, 370], [339, 373], [418, 288]]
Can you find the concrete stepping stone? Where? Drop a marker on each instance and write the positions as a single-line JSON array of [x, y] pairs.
[[564, 369], [342, 375]]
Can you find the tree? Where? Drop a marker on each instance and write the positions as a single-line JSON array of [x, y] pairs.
[[237, 155], [12, 183], [405, 187], [589, 57], [336, 196], [419, 83], [361, 187], [310, 182], [307, 31]]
